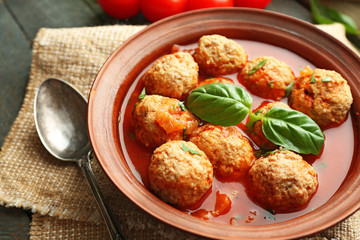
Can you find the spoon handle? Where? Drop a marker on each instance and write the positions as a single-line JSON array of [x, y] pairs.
[[85, 166]]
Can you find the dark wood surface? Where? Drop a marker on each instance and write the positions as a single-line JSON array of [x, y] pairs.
[[20, 21]]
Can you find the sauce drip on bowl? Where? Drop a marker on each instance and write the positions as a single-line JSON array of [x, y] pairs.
[[331, 166]]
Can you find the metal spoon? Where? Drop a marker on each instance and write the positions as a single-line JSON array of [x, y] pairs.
[[60, 117]]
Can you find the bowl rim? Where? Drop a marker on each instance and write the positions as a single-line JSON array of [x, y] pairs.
[[103, 133]]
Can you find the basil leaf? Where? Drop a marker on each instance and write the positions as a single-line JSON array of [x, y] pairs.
[[271, 84], [326, 15], [293, 130], [289, 89], [184, 133], [186, 149], [182, 106], [257, 67], [327, 79], [253, 118], [142, 94], [220, 103], [312, 78]]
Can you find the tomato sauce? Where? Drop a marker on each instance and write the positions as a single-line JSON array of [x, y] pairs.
[[238, 208]]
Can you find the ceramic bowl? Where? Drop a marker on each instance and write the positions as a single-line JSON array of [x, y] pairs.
[[129, 60]]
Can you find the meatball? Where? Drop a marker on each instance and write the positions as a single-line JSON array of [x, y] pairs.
[[256, 134], [158, 119], [267, 77], [282, 181], [228, 150], [173, 75], [180, 173], [218, 55], [323, 95]]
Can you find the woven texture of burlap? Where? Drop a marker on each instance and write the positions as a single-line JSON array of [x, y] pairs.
[[56, 191]]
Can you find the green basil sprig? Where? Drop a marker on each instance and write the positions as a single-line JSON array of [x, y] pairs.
[[228, 104], [326, 15]]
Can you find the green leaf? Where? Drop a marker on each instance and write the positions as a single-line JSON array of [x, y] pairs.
[[327, 79], [271, 84], [312, 78], [257, 67], [142, 94], [253, 118], [184, 133], [182, 106], [186, 149], [293, 130], [220, 103], [289, 89], [326, 15]]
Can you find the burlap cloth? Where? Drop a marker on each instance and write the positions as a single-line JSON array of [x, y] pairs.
[[57, 192]]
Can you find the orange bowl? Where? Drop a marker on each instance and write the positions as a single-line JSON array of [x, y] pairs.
[[132, 57]]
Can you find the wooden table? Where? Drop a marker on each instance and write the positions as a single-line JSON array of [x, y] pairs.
[[20, 21]]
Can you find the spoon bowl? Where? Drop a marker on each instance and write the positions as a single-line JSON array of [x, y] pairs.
[[60, 118], [60, 113]]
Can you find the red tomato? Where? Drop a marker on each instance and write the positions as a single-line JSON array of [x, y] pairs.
[[198, 4], [120, 8], [222, 204], [155, 10], [252, 3]]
